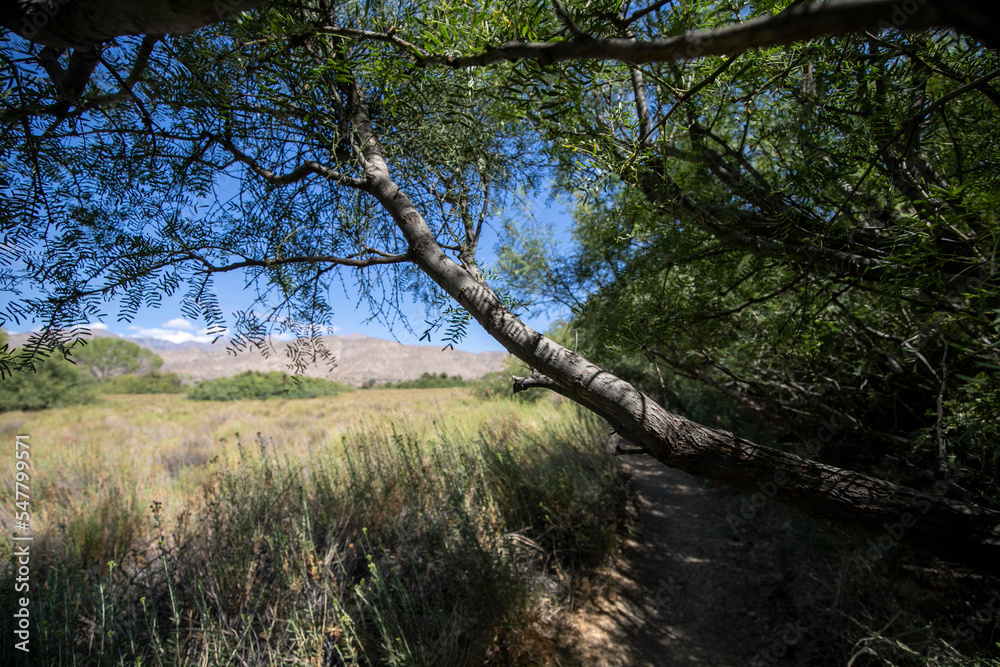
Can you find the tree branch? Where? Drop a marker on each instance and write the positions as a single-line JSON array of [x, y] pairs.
[[563, 16], [379, 259], [87, 23], [535, 380], [641, 107], [806, 21], [305, 169], [138, 67]]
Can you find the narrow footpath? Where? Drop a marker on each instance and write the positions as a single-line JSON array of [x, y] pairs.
[[688, 590]]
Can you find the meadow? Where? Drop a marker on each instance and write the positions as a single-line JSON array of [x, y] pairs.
[[389, 526]]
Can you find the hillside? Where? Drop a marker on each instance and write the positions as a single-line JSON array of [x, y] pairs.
[[359, 359]]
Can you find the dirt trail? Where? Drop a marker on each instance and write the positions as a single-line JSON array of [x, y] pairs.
[[687, 591]]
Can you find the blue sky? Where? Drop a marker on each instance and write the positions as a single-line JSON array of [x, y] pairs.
[[168, 323]]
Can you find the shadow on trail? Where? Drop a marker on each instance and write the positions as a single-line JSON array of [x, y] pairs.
[[689, 591]]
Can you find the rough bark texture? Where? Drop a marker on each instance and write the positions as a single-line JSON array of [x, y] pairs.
[[85, 23], [955, 531]]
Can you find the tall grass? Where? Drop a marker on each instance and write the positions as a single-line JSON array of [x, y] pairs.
[[397, 543]]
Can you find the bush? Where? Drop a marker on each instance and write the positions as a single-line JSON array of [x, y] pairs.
[[498, 385], [425, 381], [257, 385], [151, 383], [971, 429], [55, 383]]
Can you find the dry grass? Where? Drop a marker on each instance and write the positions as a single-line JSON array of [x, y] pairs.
[[154, 447], [169, 530]]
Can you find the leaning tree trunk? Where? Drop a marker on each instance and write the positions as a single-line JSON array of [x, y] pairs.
[[955, 531]]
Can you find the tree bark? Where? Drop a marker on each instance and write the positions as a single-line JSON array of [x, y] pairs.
[[958, 532], [955, 531], [81, 24]]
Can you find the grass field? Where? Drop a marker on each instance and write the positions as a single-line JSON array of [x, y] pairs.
[[155, 447], [403, 527]]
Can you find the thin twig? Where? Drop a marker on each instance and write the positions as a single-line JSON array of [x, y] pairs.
[[567, 21]]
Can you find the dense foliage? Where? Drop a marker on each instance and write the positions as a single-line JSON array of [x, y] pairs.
[[55, 383], [425, 381], [808, 232], [258, 385]]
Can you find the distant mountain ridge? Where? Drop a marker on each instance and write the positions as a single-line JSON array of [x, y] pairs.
[[359, 359]]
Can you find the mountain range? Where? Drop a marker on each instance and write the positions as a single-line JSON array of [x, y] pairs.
[[358, 359]]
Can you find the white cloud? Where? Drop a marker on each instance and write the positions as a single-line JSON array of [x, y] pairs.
[[97, 326], [178, 323], [174, 334]]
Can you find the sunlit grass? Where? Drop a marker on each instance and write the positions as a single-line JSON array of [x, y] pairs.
[[155, 446], [374, 526]]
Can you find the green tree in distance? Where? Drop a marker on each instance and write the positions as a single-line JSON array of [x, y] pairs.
[[376, 141], [108, 357], [55, 382]]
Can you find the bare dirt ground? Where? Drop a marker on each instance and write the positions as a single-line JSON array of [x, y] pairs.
[[687, 589]]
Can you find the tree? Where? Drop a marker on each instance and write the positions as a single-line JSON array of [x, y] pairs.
[[784, 252], [55, 383], [79, 30], [108, 357], [355, 150]]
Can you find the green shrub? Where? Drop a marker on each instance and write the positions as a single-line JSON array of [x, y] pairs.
[[971, 429], [111, 357], [425, 381], [257, 385], [55, 383], [498, 385], [494, 386], [150, 383]]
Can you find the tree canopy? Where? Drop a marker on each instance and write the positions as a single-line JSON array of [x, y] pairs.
[[793, 203], [108, 357], [822, 248]]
